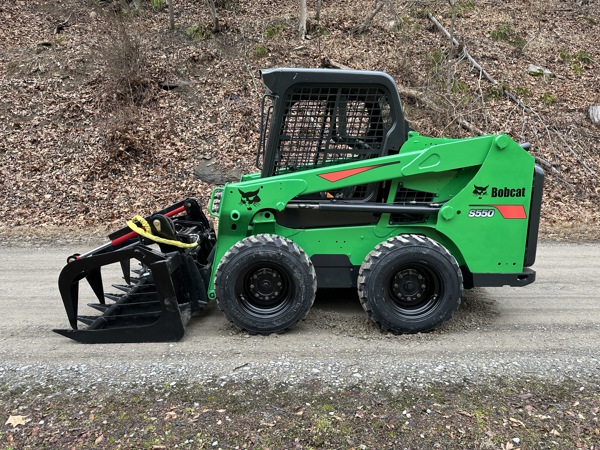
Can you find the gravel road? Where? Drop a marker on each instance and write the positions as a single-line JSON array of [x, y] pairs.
[[549, 330]]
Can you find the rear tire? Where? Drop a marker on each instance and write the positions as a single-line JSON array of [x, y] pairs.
[[409, 284], [265, 284]]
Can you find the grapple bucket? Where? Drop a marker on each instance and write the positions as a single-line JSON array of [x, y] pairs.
[[156, 302]]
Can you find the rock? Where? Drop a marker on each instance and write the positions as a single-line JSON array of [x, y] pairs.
[[594, 112], [539, 70], [210, 172]]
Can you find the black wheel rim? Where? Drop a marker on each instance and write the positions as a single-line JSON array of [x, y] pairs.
[[413, 290], [265, 290]]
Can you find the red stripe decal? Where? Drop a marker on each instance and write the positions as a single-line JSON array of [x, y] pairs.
[[511, 211], [340, 175]]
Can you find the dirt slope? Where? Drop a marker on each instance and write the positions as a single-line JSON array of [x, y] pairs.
[[105, 114]]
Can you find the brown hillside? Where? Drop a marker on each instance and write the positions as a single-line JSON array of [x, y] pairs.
[[104, 113]]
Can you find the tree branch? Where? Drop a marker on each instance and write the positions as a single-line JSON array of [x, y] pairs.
[[411, 93], [364, 26], [510, 95]]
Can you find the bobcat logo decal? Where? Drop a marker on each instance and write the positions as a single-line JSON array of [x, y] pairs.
[[480, 191], [249, 199]]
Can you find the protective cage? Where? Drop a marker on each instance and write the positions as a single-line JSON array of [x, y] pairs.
[[325, 125]]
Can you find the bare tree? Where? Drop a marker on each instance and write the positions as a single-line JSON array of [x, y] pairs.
[[364, 26], [304, 26], [213, 13], [452, 48], [303, 18]]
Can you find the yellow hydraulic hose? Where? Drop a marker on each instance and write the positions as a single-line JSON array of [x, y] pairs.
[[146, 231]]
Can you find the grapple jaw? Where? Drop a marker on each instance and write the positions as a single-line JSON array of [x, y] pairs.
[[156, 303]]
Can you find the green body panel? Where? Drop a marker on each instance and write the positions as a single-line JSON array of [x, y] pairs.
[[489, 174]]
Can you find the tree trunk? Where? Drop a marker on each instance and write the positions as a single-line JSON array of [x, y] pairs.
[[171, 16], [451, 49], [213, 13], [595, 114], [303, 17]]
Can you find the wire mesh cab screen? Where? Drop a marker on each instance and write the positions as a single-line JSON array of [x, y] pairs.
[[331, 125]]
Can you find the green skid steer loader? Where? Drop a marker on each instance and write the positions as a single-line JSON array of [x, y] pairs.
[[347, 197]]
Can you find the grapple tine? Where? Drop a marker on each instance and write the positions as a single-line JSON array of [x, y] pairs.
[[114, 297], [169, 325], [69, 291], [122, 287], [99, 306], [88, 320], [166, 329], [126, 268], [94, 278], [74, 291]]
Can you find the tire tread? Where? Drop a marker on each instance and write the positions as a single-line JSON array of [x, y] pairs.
[[376, 255], [281, 244]]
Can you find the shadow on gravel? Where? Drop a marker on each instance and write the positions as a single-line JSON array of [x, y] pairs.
[[340, 310], [477, 309]]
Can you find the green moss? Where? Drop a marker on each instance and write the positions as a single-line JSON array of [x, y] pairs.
[[459, 87], [506, 33], [496, 92], [421, 13], [548, 99], [260, 51], [578, 60], [564, 55], [198, 32], [274, 30], [320, 30], [158, 5], [522, 92], [462, 7], [577, 67], [584, 57]]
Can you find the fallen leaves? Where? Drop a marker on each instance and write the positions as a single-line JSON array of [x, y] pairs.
[[67, 147], [170, 415], [15, 421], [239, 414], [516, 422]]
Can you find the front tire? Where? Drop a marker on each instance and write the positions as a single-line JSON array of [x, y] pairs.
[[409, 284], [265, 284]]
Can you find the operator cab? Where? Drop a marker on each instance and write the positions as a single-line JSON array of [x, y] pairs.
[[318, 117]]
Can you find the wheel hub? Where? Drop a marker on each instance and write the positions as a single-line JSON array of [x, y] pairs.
[[409, 285], [265, 285]]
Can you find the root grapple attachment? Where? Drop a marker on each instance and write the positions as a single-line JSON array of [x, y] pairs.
[[155, 304]]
